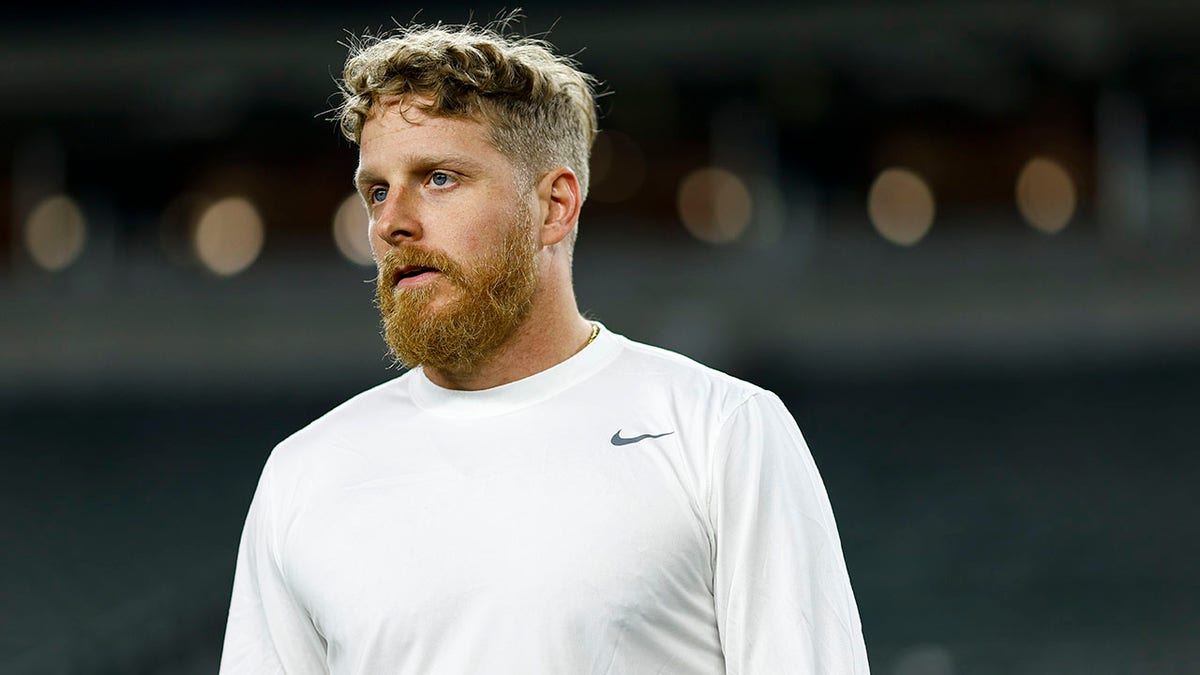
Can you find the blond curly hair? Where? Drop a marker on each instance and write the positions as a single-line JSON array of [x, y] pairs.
[[539, 108]]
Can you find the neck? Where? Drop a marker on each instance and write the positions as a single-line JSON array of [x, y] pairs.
[[553, 332]]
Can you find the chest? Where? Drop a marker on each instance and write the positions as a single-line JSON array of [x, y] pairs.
[[455, 530]]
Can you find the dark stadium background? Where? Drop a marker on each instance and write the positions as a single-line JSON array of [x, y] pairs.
[[1005, 405]]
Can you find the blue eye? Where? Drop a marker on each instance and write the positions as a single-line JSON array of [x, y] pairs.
[[378, 194], [440, 179]]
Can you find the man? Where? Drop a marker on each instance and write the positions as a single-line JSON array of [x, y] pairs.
[[536, 494]]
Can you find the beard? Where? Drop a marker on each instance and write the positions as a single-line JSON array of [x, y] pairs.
[[494, 296]]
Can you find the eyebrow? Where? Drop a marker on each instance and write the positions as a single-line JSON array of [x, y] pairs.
[[421, 164], [362, 179]]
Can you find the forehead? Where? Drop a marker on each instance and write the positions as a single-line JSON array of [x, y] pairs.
[[398, 121]]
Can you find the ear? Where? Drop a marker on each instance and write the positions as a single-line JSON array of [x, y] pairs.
[[558, 196]]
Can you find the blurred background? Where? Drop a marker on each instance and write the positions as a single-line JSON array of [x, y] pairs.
[[962, 241]]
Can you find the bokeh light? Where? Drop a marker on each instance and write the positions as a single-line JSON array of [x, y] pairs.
[[228, 236], [928, 659], [350, 233], [1045, 195], [715, 205], [901, 206], [55, 233]]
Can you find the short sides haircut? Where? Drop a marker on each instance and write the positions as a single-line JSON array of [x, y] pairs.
[[539, 108]]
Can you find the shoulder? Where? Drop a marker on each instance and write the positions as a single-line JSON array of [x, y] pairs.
[[666, 373], [339, 430]]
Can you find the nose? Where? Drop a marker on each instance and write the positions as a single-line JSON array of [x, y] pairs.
[[396, 220]]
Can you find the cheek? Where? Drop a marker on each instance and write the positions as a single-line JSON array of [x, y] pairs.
[[483, 235], [379, 248]]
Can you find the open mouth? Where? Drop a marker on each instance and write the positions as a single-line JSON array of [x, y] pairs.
[[414, 274]]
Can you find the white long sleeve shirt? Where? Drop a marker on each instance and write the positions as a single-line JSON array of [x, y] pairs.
[[625, 511]]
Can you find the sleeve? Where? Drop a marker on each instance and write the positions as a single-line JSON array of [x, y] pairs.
[[268, 632], [782, 593]]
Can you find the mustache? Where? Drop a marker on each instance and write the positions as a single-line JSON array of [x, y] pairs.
[[398, 258]]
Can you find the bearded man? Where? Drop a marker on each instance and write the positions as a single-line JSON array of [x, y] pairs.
[[536, 494]]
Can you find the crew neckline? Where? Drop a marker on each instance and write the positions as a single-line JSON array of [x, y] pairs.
[[521, 393]]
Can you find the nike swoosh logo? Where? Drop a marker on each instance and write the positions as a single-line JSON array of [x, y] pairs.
[[618, 440]]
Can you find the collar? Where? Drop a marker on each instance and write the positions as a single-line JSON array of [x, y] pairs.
[[522, 393]]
